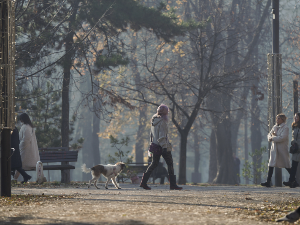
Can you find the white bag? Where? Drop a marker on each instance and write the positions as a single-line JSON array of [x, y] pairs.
[[39, 173]]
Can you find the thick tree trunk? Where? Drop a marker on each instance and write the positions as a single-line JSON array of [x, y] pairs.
[[225, 174], [182, 158]]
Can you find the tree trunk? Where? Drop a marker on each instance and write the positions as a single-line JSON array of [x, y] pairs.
[[139, 145], [87, 148], [182, 158], [255, 135], [235, 125], [196, 176], [213, 162], [95, 140], [255, 113], [246, 145], [67, 65], [140, 137], [225, 174]]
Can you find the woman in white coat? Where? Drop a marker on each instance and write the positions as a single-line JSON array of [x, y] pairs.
[[28, 145], [279, 152]]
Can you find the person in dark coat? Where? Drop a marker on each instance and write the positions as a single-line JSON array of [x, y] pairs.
[[16, 162]]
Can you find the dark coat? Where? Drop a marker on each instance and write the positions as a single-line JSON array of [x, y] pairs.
[[16, 161]]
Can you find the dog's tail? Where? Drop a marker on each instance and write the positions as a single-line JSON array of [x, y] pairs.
[[84, 169]]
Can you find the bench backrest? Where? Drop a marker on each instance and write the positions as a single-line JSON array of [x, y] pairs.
[[58, 156]]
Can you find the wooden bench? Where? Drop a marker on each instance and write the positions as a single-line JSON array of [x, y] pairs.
[[50, 156], [57, 155]]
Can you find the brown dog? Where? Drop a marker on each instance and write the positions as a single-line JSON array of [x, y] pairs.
[[108, 171]]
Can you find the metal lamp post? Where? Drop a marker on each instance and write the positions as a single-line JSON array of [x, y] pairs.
[[275, 80]]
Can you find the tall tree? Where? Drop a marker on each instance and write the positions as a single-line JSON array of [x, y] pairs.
[[106, 17]]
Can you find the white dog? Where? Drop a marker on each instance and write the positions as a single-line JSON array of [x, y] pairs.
[[109, 171]]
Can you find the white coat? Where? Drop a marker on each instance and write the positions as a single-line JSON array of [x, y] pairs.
[[28, 147], [279, 152]]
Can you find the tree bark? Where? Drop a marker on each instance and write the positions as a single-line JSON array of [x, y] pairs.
[[213, 162], [95, 140], [246, 145], [140, 137], [67, 65], [225, 174], [196, 176], [256, 138], [197, 151], [182, 158], [255, 134], [87, 148]]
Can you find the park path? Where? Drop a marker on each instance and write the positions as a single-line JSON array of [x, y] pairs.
[[133, 205]]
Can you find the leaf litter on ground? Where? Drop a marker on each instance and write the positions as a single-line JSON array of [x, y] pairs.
[[270, 211], [27, 199]]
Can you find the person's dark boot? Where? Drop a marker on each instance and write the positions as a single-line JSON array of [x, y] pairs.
[[291, 184], [287, 183], [27, 178], [266, 184], [173, 185], [144, 181]]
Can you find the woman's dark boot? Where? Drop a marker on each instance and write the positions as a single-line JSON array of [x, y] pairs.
[[144, 181], [173, 185], [268, 182], [25, 175], [26, 178]]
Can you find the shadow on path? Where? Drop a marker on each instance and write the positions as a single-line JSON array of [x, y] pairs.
[[39, 220], [163, 202]]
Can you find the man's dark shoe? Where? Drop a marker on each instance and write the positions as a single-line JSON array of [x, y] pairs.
[[266, 184], [287, 183]]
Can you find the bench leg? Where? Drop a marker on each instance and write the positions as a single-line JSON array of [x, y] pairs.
[[65, 176]]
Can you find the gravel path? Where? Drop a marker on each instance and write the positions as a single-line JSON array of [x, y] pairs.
[[133, 205]]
